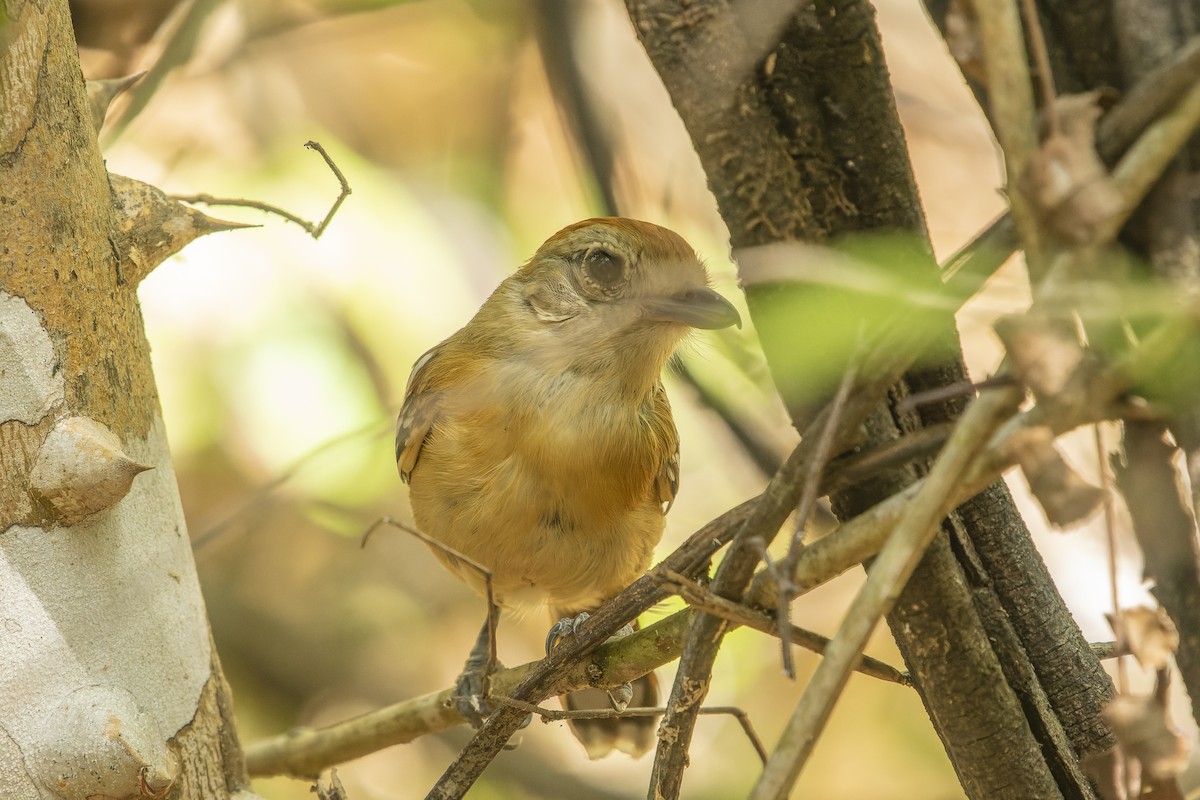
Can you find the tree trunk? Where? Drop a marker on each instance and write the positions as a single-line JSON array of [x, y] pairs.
[[795, 125], [109, 684]]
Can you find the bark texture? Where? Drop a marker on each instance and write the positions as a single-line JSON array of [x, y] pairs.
[[795, 124], [109, 685]]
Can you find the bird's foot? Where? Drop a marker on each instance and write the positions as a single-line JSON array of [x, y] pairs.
[[619, 696], [471, 690]]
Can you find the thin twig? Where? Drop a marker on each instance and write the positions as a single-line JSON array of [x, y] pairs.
[[313, 229], [808, 498], [920, 443], [341, 198], [702, 599], [1041, 60], [950, 392], [1110, 531], [1147, 158], [1118, 622], [1150, 98], [493, 613], [556, 715], [1013, 117]]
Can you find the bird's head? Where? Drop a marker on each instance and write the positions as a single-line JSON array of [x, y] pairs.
[[615, 288]]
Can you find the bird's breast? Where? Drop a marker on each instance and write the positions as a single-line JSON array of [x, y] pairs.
[[545, 479]]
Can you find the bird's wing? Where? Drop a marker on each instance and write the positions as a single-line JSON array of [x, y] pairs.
[[417, 415], [667, 439]]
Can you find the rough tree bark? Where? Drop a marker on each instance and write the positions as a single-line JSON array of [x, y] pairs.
[[796, 128], [109, 684]]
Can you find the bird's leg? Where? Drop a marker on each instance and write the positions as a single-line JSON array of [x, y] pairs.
[[474, 683], [619, 696]]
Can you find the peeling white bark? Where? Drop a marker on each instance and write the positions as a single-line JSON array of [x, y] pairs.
[[29, 384], [101, 624]]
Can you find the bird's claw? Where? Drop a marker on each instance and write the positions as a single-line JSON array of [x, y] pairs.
[[470, 700], [470, 694], [564, 627], [619, 697]]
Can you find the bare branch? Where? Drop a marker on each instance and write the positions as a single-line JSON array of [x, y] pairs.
[[313, 229], [702, 599], [886, 578]]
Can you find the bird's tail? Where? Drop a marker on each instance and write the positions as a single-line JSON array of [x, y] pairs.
[[633, 736]]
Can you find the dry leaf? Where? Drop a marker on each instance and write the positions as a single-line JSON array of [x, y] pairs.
[[1063, 494], [1066, 179], [1045, 351], [1146, 734], [1149, 634]]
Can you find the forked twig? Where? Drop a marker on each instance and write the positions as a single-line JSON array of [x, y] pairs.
[[493, 615], [313, 229]]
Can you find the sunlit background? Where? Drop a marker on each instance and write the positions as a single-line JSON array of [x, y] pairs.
[[281, 360]]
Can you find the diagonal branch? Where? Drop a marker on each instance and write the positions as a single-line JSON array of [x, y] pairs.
[[887, 576]]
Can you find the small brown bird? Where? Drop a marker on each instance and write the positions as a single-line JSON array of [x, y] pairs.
[[538, 440]]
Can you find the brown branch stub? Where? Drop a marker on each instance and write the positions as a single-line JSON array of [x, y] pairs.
[[101, 94], [313, 229], [151, 227]]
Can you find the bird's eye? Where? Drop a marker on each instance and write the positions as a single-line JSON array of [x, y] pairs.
[[604, 267]]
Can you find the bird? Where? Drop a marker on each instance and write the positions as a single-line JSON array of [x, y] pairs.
[[538, 439]]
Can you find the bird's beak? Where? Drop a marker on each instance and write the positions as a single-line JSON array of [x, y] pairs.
[[699, 308]]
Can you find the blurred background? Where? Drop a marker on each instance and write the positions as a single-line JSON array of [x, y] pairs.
[[470, 131]]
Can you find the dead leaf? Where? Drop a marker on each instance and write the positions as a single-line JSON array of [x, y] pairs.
[[1044, 349], [1062, 492], [1149, 634], [1146, 734], [1065, 177]]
